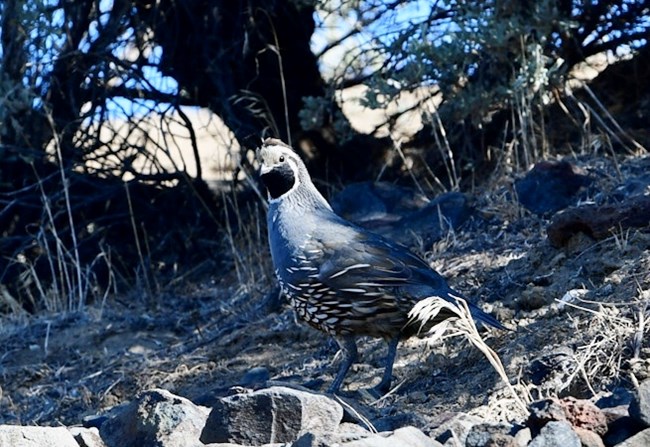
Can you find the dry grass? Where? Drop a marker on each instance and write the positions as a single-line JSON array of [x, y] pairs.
[[614, 341], [462, 324]]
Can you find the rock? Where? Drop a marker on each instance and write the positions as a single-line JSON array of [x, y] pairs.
[[431, 223], [579, 413], [535, 297], [598, 221], [490, 435], [588, 438], [556, 434], [584, 414], [87, 437], [543, 412], [637, 186], [455, 425], [255, 376], [155, 417], [376, 201], [397, 420], [19, 436], [306, 440], [641, 439], [552, 367], [402, 214], [621, 429], [275, 414], [615, 406], [523, 437], [349, 431], [550, 186], [640, 405], [402, 437]]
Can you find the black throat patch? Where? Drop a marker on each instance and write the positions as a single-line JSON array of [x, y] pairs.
[[279, 181]]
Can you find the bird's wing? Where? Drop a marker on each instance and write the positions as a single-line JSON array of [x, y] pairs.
[[366, 258], [368, 265]]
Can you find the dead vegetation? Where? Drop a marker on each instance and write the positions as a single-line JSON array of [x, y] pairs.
[[580, 315], [188, 302]]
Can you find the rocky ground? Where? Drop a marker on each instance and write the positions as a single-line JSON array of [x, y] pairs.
[[573, 285]]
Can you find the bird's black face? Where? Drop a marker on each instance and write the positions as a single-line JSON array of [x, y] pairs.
[[279, 180], [278, 167]]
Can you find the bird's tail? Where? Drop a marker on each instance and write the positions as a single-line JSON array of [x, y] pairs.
[[477, 313], [484, 317]]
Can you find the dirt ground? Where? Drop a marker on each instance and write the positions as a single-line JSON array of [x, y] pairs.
[[576, 315]]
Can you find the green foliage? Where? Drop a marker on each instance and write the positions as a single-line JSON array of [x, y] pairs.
[[317, 112], [483, 56]]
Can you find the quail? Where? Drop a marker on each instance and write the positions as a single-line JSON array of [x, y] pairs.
[[340, 278]]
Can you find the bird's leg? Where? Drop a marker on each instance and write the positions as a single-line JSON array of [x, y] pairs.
[[384, 386], [348, 345]]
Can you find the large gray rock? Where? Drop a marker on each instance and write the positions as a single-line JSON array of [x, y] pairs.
[[555, 434], [19, 436], [640, 405], [402, 214], [402, 437], [490, 435], [275, 414], [551, 186], [641, 439], [155, 417], [376, 201], [454, 426], [589, 438], [87, 437]]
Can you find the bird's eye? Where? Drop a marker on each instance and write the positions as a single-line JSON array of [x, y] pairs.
[[281, 158]]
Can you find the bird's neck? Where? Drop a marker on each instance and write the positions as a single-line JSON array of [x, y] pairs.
[[306, 198]]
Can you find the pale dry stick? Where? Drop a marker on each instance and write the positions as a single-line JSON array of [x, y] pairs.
[[46, 343], [111, 386], [10, 302], [388, 394], [525, 113], [231, 240], [275, 48], [435, 178], [398, 149], [56, 263], [145, 238], [253, 185], [371, 428], [609, 340], [608, 144], [134, 228], [610, 317], [447, 154], [40, 288], [580, 368], [637, 340], [589, 111], [66, 194], [523, 140], [600, 105], [111, 280]]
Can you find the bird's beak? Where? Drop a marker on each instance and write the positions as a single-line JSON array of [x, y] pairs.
[[264, 169]]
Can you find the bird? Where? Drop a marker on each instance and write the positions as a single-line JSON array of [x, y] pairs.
[[340, 278]]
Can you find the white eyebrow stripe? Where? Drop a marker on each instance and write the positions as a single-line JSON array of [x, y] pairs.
[[347, 269]]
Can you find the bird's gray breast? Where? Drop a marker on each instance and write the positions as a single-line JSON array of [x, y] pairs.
[[297, 258]]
